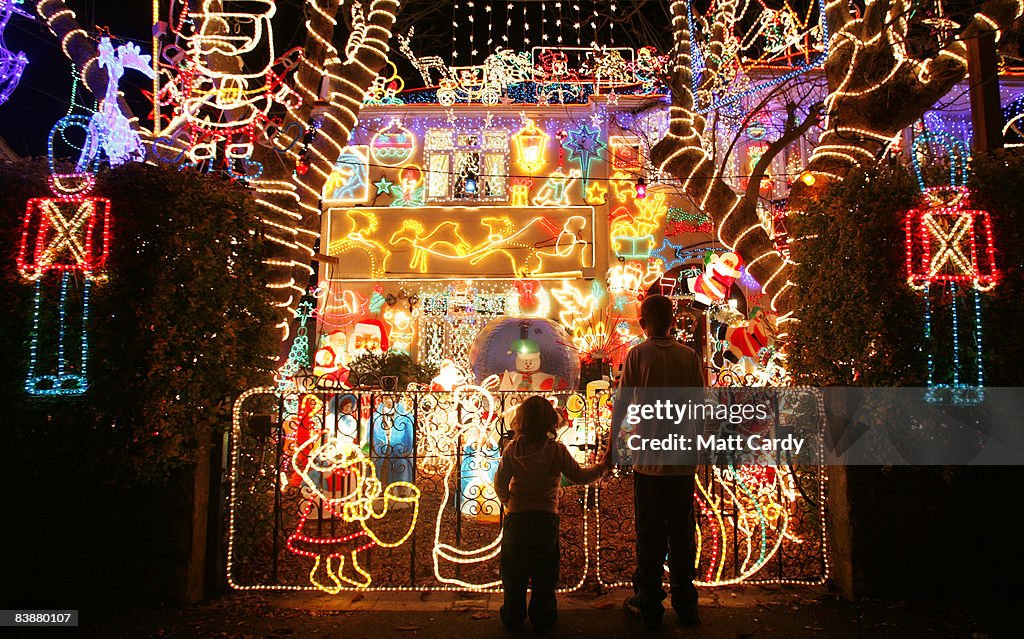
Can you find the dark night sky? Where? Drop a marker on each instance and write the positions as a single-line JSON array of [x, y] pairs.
[[45, 90]]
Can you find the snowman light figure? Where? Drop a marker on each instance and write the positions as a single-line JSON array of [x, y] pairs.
[[527, 375]]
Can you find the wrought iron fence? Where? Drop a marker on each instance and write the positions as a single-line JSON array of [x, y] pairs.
[[347, 489]]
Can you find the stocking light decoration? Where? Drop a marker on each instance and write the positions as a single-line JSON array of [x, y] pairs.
[[951, 261]]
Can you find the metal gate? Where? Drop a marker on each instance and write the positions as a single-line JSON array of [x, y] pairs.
[[351, 489]]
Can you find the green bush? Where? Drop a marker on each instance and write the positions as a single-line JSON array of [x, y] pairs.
[[370, 367], [859, 323], [995, 181], [182, 326]]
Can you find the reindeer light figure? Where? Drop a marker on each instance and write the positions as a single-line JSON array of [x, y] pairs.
[[425, 64], [109, 130]]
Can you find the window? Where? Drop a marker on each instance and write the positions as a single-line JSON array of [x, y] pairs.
[[467, 166], [452, 321]]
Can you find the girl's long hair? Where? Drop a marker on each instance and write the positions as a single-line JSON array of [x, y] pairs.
[[536, 419]]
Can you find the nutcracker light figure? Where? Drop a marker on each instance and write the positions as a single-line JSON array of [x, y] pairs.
[[951, 260], [63, 249]]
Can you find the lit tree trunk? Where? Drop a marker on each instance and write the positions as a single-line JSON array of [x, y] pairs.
[[876, 90], [683, 155], [291, 205]]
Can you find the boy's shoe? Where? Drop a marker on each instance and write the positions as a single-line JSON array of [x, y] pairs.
[[688, 616], [511, 624], [650, 618]]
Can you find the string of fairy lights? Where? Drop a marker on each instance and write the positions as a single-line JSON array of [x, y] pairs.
[[542, 23]]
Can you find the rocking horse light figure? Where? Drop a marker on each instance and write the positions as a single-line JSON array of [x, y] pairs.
[[109, 131]]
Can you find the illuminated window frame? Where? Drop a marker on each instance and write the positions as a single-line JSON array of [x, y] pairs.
[[443, 146]]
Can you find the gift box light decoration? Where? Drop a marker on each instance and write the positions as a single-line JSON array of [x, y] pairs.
[[950, 255]]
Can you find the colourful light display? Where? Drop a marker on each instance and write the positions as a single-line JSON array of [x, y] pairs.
[[109, 131], [468, 260], [224, 107], [506, 243], [61, 236], [556, 190], [351, 529], [344, 485], [729, 40], [584, 146], [349, 181], [393, 146]]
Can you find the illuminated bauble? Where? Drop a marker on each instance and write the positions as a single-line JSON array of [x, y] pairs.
[[808, 178], [494, 350], [756, 130], [393, 146]]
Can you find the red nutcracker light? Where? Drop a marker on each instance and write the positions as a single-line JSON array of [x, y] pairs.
[[64, 244], [950, 256]]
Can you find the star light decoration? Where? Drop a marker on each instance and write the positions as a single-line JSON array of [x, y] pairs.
[[383, 186], [583, 145]]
